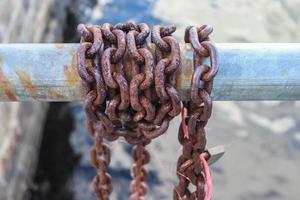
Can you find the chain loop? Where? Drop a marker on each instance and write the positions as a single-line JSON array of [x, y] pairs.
[[131, 93], [158, 32], [121, 99]]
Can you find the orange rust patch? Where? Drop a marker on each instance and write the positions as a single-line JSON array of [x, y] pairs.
[[186, 71], [56, 95], [59, 45], [7, 88], [184, 78], [88, 63], [71, 73], [187, 67], [26, 82]]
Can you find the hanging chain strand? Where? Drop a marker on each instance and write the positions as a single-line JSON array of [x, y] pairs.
[[91, 42], [191, 165], [138, 186]]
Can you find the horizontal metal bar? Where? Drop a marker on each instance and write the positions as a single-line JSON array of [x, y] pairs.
[[248, 71]]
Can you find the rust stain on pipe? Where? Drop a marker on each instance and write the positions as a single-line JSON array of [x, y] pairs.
[[59, 45], [186, 69], [71, 72], [184, 76], [6, 87], [56, 95], [26, 82]]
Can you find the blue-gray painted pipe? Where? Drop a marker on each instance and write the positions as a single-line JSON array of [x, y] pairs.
[[248, 71]]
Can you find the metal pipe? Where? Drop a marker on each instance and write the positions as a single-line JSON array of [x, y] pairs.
[[248, 71]]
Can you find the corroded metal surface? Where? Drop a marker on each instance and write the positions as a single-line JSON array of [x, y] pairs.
[[43, 72], [135, 98], [47, 72]]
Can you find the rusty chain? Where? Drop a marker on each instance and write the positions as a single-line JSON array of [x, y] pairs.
[[131, 93], [195, 114], [90, 73]]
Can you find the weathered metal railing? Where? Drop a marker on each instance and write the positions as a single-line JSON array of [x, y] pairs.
[[248, 71]]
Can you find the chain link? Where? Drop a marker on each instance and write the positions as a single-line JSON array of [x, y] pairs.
[[90, 72], [195, 115], [138, 186]]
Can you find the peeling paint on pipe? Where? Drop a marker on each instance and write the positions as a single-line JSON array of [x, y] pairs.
[[248, 71]]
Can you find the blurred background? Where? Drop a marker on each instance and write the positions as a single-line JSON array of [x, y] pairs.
[[44, 147]]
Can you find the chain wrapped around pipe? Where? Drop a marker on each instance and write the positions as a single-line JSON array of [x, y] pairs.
[[141, 70], [130, 93], [191, 165]]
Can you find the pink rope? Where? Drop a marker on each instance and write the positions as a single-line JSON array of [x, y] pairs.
[[208, 179], [184, 112]]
